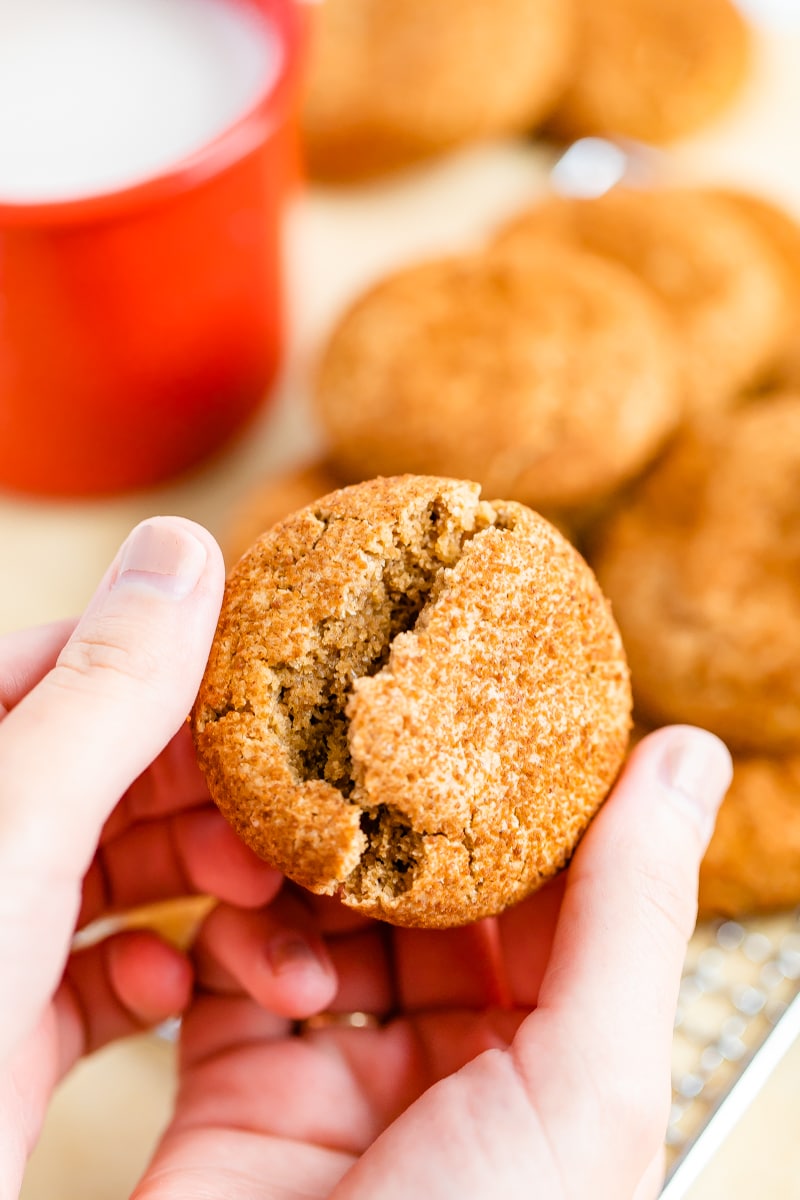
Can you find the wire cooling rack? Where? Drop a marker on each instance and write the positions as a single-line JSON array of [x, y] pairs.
[[738, 1014]]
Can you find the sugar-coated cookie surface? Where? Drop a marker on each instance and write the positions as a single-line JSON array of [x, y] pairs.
[[549, 377], [393, 81], [753, 861], [653, 69], [719, 279], [781, 230], [274, 499], [415, 698], [702, 566]]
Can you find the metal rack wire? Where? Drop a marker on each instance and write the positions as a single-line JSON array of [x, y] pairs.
[[738, 1013]]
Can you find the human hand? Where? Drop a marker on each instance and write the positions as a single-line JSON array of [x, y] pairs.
[[89, 827], [524, 1056]]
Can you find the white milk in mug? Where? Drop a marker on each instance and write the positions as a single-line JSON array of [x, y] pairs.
[[99, 95], [140, 326]]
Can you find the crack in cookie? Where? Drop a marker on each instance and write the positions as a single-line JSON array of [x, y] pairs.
[[418, 708]]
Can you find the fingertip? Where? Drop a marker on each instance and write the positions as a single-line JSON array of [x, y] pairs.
[[145, 634], [272, 954], [218, 862], [168, 556], [302, 978], [691, 767], [152, 978]]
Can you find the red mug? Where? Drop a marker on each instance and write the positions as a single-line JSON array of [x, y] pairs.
[[140, 328]]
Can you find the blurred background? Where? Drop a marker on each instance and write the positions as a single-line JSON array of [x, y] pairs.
[[217, 282]]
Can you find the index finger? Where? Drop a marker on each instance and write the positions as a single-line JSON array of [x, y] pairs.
[[172, 783], [27, 656]]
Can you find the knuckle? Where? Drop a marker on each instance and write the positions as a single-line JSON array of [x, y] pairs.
[[105, 655], [668, 900]]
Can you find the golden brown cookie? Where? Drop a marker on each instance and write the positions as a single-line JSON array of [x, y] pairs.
[[273, 499], [702, 566], [720, 281], [653, 70], [414, 698], [753, 861], [780, 229], [549, 379], [393, 81]]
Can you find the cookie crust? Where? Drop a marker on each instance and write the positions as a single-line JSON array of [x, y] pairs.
[[717, 277], [753, 861], [702, 566], [391, 82], [415, 699], [653, 70], [781, 231], [272, 500], [550, 378]]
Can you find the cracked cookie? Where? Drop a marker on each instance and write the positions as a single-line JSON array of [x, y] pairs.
[[415, 699], [550, 377], [274, 498]]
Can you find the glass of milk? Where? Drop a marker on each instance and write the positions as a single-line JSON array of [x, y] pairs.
[[146, 153]]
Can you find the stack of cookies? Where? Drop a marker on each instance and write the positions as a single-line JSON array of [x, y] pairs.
[[702, 566], [626, 366], [391, 82], [554, 366]]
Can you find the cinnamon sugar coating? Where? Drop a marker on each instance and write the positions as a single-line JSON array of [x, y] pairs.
[[718, 278], [415, 699], [272, 500], [653, 70], [702, 566], [550, 378], [753, 861], [781, 231], [390, 82]]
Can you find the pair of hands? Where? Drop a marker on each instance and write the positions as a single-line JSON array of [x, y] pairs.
[[527, 1055]]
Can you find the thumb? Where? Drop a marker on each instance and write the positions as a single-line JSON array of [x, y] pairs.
[[607, 1002], [119, 691]]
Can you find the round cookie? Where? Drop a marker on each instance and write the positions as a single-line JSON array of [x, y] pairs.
[[653, 70], [702, 566], [780, 229], [720, 281], [753, 861], [550, 380], [273, 499], [393, 81], [282, 494], [415, 699]]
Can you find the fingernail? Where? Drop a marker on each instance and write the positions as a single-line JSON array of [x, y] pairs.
[[697, 766], [163, 557], [287, 951]]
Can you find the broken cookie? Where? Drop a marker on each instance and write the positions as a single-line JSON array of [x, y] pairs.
[[415, 699]]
